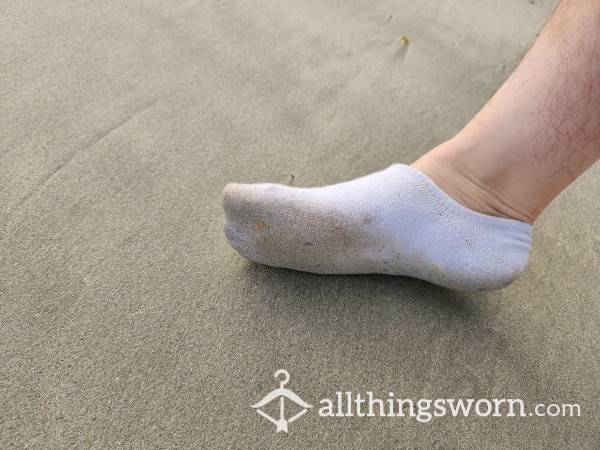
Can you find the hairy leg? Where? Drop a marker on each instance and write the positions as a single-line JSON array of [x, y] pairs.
[[539, 132], [461, 216]]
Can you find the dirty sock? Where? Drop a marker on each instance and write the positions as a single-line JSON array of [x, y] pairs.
[[397, 222]]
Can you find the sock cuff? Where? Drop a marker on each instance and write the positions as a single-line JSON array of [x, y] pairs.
[[447, 203]]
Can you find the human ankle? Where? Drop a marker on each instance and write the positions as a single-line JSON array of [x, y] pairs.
[[482, 186]]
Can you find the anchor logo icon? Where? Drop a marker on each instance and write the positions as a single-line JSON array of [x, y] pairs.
[[282, 393]]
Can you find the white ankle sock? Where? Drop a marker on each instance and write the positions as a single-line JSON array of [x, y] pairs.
[[397, 221]]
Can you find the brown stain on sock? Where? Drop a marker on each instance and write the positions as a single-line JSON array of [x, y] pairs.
[[279, 230], [302, 236], [438, 270], [259, 225]]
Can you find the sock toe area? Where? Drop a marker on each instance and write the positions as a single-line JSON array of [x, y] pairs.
[[275, 225]]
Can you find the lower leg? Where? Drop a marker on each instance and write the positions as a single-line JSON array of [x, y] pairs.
[[533, 138], [539, 132]]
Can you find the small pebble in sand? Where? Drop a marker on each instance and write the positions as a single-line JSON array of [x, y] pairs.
[[404, 40]]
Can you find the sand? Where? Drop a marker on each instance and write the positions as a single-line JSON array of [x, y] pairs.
[[126, 321]]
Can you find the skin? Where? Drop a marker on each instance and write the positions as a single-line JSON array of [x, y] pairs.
[[538, 133]]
